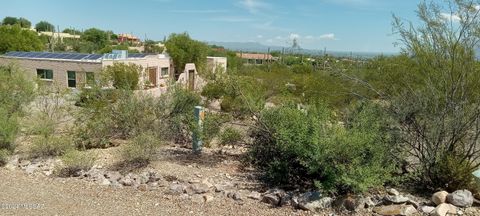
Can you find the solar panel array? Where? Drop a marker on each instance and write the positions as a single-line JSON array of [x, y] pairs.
[[136, 55], [49, 55]]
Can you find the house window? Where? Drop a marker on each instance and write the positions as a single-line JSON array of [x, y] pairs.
[[164, 71], [45, 74], [90, 78], [71, 79]]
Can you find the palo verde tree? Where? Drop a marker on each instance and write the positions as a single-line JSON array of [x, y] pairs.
[[44, 26], [185, 50], [14, 38], [439, 116]]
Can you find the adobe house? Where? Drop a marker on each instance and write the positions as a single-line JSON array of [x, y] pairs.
[[256, 58], [77, 70]]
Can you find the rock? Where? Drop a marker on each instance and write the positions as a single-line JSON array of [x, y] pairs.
[[126, 181], [10, 167], [439, 197], [393, 192], [283, 197], [426, 209], [369, 203], [460, 198], [176, 188], [142, 187], [302, 199], [207, 198], [351, 204], [403, 210], [254, 195], [444, 209], [31, 168], [196, 198], [200, 188], [222, 187], [396, 199], [105, 182], [323, 203], [271, 199], [236, 196], [154, 177]]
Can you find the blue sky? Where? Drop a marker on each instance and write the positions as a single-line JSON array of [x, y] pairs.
[[339, 25]]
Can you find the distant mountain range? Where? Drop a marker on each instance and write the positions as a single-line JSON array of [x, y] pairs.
[[261, 48]]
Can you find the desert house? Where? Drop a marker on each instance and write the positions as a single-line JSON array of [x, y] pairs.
[[77, 70], [256, 58]]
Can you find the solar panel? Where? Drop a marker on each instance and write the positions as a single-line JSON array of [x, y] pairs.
[[136, 55], [23, 54]]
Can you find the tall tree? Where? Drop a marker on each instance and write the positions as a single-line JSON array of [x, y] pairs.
[[9, 21], [44, 26], [24, 23], [96, 36], [14, 38], [185, 50]]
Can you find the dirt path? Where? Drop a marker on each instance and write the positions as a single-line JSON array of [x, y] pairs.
[[76, 197]]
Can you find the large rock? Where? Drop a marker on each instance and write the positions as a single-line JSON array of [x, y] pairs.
[[444, 209], [401, 210], [281, 197], [399, 199], [200, 188], [177, 188], [426, 209], [322, 203], [461, 198], [271, 199], [254, 195], [393, 192], [439, 197]]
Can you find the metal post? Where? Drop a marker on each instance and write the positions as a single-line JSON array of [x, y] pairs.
[[197, 140]]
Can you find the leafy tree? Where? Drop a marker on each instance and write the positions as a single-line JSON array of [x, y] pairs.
[[96, 36], [124, 76], [439, 116], [152, 47], [185, 50], [44, 26], [72, 31], [24, 23], [14, 38]]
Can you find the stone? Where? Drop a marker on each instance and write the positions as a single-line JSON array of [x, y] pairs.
[[426, 209], [31, 168], [460, 198], [439, 197], [254, 195], [271, 199], [444, 209], [207, 198], [351, 204], [222, 187], [301, 200], [10, 167], [236, 196], [142, 187], [126, 181], [393, 192], [113, 175], [322, 203], [401, 210], [396, 199], [176, 188], [196, 198], [369, 203], [200, 188], [105, 182], [154, 177]]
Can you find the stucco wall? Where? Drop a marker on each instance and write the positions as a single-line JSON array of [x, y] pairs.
[[58, 67]]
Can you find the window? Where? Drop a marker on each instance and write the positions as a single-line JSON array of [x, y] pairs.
[[90, 78], [45, 74], [71, 79], [164, 71]]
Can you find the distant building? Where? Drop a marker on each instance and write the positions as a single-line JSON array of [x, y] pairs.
[[59, 35], [256, 58], [128, 38]]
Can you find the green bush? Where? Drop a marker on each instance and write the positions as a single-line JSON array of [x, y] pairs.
[[141, 148], [308, 147], [213, 91], [75, 161], [230, 136], [211, 126], [50, 146], [124, 76]]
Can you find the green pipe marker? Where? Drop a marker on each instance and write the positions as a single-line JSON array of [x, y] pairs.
[[199, 118]]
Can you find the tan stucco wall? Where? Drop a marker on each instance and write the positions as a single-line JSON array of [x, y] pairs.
[[217, 62], [58, 67]]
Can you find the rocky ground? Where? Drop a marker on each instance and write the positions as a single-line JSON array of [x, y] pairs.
[[178, 182]]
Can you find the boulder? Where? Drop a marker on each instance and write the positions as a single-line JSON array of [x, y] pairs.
[[439, 197], [254, 195], [460, 198], [393, 192], [200, 188], [426, 209], [176, 188], [444, 209], [271, 199], [322, 203], [126, 181], [282, 198], [401, 210], [113, 175], [399, 199]]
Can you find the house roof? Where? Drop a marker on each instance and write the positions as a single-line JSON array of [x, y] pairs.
[[66, 56], [263, 56]]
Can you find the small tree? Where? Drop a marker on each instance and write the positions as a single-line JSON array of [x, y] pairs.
[[96, 36], [185, 50], [9, 21], [44, 26], [124, 76], [14, 38]]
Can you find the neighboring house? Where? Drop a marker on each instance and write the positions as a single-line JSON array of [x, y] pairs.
[[256, 58], [77, 70], [59, 35], [217, 63], [128, 38]]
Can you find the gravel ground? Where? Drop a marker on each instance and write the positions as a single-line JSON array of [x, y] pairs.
[[55, 196]]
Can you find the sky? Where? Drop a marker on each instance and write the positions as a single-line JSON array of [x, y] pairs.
[[337, 25]]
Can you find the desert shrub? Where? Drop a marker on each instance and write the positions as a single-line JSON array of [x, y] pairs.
[[50, 146], [212, 125], [213, 90], [4, 153], [75, 161], [230, 136], [141, 148], [123, 76], [308, 147], [243, 96]]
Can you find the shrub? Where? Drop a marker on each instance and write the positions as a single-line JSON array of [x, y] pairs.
[[75, 161], [50, 146], [213, 91], [124, 76], [230, 136], [305, 147], [141, 148]]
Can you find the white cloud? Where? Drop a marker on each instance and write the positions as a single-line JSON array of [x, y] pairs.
[[231, 19], [259, 36], [253, 6], [450, 17], [199, 11], [294, 36], [477, 7], [329, 36]]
